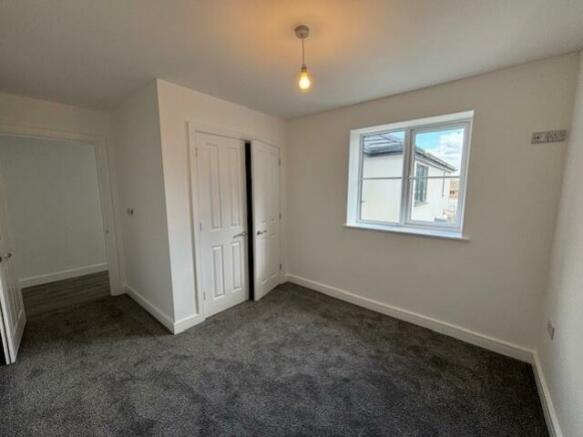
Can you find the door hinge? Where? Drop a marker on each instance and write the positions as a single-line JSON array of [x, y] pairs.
[[280, 215], [203, 295], [279, 162], [196, 152], [280, 267], [200, 226]]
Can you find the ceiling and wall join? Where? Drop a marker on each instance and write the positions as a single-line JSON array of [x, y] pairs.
[[95, 54]]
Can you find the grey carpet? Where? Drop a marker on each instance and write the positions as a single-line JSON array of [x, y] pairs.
[[296, 363]]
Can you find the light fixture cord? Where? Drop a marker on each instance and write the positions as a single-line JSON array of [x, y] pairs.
[[303, 56]]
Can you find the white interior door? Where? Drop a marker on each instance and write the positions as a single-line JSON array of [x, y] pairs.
[[265, 163], [5, 350], [222, 230], [11, 304]]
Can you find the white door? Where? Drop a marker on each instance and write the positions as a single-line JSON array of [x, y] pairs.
[[11, 304], [265, 163], [222, 227], [5, 350]]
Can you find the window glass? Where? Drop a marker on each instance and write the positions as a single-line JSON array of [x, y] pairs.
[[441, 149], [381, 200], [438, 208], [438, 162], [383, 155], [420, 191]]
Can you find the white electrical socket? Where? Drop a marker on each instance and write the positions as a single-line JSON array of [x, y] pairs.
[[550, 330]]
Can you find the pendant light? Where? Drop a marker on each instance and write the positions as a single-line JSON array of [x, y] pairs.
[[304, 81]]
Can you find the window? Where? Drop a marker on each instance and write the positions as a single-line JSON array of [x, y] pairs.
[[410, 176], [421, 185]]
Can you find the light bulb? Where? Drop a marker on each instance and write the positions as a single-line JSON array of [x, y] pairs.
[[304, 82]]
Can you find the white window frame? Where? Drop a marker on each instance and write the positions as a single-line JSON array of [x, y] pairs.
[[406, 224]]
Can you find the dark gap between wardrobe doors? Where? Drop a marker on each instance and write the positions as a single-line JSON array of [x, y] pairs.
[[250, 236]]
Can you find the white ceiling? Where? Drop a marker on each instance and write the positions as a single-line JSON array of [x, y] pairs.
[[95, 52]]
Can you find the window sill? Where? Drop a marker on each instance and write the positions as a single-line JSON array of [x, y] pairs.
[[449, 235]]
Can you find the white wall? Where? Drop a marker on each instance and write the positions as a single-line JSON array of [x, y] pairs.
[[562, 358], [54, 215], [138, 164], [27, 111], [51, 119], [179, 105], [491, 284]]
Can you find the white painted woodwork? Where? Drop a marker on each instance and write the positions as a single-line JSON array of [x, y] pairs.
[[5, 350], [11, 304], [266, 216], [222, 221], [201, 113]]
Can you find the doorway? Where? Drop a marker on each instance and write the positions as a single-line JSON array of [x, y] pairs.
[[236, 218], [56, 240]]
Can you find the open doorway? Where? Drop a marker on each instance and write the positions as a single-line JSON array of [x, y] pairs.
[[12, 310], [55, 221]]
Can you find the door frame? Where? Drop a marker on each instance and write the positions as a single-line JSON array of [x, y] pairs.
[[194, 127], [104, 183]]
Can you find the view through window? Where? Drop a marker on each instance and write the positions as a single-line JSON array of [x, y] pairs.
[[410, 176]]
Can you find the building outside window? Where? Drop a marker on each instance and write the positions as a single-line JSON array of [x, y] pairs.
[[410, 175], [421, 183]]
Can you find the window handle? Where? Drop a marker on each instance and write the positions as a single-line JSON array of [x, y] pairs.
[[242, 234]]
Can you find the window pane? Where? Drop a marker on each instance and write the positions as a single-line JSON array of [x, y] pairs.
[[383, 155], [441, 200], [421, 172], [381, 200], [441, 150]]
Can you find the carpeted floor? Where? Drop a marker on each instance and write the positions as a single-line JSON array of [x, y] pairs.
[[56, 295], [296, 363]]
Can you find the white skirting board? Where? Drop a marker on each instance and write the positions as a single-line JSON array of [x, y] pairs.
[[151, 308], [455, 331], [174, 327], [547, 403], [63, 274], [187, 323]]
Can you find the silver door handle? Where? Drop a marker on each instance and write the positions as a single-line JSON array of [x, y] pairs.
[[261, 232], [242, 234]]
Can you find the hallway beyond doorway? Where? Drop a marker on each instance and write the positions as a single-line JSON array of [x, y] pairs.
[[43, 298]]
